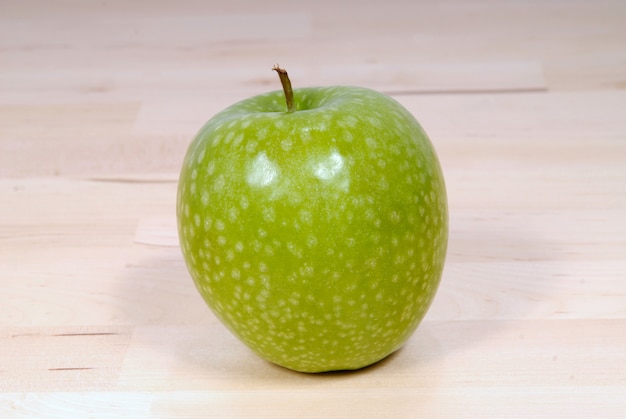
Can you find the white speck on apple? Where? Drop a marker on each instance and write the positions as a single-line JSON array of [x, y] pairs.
[[269, 214], [286, 144], [262, 171], [201, 156], [238, 139], [350, 121], [329, 167], [244, 203]]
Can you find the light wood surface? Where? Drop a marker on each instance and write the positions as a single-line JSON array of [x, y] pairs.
[[525, 102]]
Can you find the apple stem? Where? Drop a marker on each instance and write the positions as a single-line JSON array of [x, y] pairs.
[[284, 80]]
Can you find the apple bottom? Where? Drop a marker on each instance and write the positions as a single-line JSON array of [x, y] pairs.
[[293, 316]]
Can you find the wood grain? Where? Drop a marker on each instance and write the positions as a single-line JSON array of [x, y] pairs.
[[525, 102]]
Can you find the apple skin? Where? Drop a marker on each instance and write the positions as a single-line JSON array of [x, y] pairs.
[[318, 237]]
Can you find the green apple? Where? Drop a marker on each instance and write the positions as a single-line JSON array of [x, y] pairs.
[[317, 231]]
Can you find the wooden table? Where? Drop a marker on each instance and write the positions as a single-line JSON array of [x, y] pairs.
[[525, 102]]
